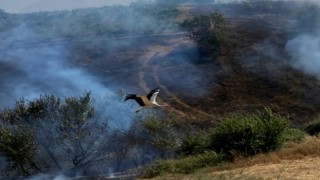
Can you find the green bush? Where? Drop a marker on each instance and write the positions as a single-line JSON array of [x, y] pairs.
[[313, 127], [191, 164], [249, 134], [207, 30], [184, 165], [293, 135], [157, 168], [194, 144]]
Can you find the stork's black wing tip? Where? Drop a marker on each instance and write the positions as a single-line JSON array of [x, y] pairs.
[[130, 96]]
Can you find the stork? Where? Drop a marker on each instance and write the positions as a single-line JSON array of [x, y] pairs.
[[148, 101]]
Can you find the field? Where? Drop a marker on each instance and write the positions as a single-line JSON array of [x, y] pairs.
[[63, 81]]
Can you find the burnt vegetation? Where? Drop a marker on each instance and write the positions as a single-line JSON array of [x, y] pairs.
[[255, 97]]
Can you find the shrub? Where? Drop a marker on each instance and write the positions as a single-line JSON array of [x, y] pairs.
[[194, 144], [158, 167], [313, 127], [293, 135], [192, 163], [207, 30], [249, 134], [185, 165]]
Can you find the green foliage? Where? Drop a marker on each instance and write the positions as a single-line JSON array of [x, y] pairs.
[[184, 165], [138, 18], [313, 127], [190, 164], [201, 27], [158, 167], [293, 135], [75, 114], [55, 126], [195, 143], [157, 133], [207, 30], [249, 134], [19, 147]]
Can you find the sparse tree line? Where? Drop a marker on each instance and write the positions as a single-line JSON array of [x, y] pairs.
[[47, 134], [138, 18], [51, 134]]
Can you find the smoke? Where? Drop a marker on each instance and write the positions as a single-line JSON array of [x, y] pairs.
[[32, 71], [28, 6], [31, 66], [305, 52]]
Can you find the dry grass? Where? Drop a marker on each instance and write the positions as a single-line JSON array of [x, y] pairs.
[[295, 161], [306, 168]]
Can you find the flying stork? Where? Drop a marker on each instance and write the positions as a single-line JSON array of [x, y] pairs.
[[148, 101]]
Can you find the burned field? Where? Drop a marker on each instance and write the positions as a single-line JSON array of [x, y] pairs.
[[209, 60]]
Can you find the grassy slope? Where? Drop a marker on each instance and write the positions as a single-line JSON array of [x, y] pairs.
[[249, 79], [295, 161]]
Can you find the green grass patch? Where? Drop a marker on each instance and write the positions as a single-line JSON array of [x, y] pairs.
[[184, 165], [293, 135]]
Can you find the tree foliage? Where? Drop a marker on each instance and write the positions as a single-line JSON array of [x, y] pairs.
[[249, 134], [63, 134], [207, 30], [18, 145]]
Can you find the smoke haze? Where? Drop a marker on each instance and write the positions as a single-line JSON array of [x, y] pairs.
[[305, 52], [31, 71], [27, 6], [133, 52]]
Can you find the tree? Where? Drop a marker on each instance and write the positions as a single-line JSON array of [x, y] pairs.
[[17, 144], [207, 30], [57, 134], [81, 134]]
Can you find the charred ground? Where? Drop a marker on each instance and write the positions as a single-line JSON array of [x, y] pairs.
[[240, 65], [252, 71]]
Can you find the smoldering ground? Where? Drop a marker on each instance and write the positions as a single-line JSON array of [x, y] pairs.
[[32, 65], [105, 65], [58, 68]]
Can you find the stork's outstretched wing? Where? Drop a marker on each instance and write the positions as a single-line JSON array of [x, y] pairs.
[[138, 99], [153, 95]]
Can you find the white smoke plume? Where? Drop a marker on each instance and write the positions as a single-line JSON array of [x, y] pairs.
[[305, 52], [46, 70]]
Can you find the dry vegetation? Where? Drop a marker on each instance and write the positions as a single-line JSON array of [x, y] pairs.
[[235, 53], [295, 161]]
